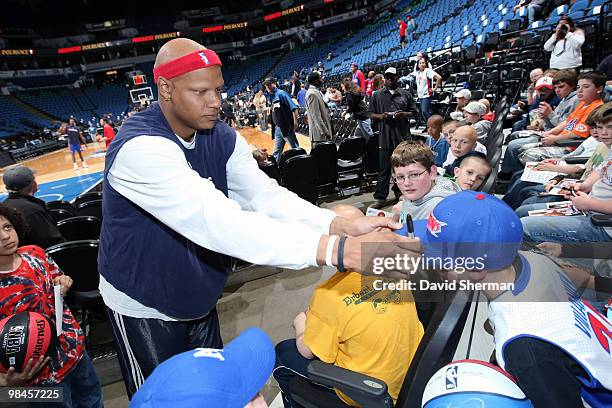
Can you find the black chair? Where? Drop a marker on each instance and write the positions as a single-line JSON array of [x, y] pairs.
[[93, 208], [271, 170], [325, 155], [84, 198], [79, 260], [79, 228], [59, 214], [436, 349], [62, 205], [287, 154], [350, 161], [371, 163], [300, 176]]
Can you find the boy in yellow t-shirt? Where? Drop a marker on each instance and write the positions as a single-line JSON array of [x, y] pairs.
[[352, 325]]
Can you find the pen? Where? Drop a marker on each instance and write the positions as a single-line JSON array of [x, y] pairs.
[[410, 226]]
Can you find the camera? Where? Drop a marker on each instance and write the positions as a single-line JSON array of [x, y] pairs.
[[563, 30]]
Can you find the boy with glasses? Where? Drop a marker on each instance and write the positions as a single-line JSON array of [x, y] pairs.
[[416, 176]]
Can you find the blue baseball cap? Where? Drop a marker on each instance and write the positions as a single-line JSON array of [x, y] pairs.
[[471, 224], [228, 377]]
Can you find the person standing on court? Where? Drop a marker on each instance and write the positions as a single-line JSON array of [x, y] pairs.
[[74, 143], [284, 117], [319, 121], [182, 194]]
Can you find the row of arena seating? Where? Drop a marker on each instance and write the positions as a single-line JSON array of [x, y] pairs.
[[15, 120], [352, 162]]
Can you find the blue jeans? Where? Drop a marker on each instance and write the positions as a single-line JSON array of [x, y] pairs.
[[511, 162], [365, 128], [531, 12], [519, 190], [425, 107], [577, 228], [289, 364], [81, 387], [279, 141], [263, 121], [520, 124]]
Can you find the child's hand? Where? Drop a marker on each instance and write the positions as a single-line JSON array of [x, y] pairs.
[[14, 379], [65, 282], [581, 201]]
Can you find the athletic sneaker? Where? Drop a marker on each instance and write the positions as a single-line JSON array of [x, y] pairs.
[[75, 166], [85, 165]]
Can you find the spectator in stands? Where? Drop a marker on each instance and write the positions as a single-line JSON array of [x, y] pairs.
[[370, 84], [260, 102], [463, 141], [227, 108], [369, 331], [301, 96], [402, 32], [357, 108], [490, 116], [472, 171], [320, 68], [425, 78], [463, 98], [21, 185], [473, 114], [390, 108], [534, 76], [565, 82], [333, 97], [294, 85], [436, 140], [357, 76], [284, 117], [448, 129], [410, 25], [319, 121], [378, 82], [416, 176], [73, 134], [590, 89], [545, 93], [605, 66], [596, 148], [565, 45], [534, 8]]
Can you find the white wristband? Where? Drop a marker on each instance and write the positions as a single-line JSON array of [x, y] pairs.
[[330, 249]]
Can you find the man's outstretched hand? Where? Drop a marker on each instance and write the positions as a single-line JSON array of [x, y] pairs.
[[362, 225]]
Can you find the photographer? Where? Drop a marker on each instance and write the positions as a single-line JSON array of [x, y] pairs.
[[565, 45]]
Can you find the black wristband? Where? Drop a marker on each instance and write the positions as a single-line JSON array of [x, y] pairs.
[[340, 263]]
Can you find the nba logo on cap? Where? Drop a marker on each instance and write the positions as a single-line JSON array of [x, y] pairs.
[[434, 226], [204, 58]]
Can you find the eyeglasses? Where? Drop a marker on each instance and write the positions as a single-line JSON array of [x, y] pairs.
[[400, 178]]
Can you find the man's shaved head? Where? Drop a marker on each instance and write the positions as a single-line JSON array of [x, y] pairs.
[[176, 48], [190, 101]]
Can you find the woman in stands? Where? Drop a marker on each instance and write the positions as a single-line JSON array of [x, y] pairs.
[[565, 45], [425, 88], [357, 108]]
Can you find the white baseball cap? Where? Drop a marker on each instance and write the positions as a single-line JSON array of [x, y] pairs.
[[475, 107], [464, 93], [545, 81], [391, 70]]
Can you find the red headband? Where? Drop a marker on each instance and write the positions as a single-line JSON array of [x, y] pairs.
[[186, 63]]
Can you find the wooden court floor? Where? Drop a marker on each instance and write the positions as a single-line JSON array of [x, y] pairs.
[[58, 165]]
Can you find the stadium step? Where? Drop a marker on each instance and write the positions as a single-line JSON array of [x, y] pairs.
[[27, 107]]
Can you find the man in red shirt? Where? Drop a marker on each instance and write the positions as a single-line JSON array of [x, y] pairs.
[[358, 77], [370, 83], [109, 132], [402, 32]]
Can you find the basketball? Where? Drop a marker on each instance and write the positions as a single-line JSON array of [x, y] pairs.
[[473, 383], [23, 336]]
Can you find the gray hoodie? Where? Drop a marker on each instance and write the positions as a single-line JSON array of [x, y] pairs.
[[421, 208]]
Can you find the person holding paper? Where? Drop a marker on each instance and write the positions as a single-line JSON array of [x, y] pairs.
[[27, 279]]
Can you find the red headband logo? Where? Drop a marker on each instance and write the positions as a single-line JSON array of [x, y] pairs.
[[186, 63]]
